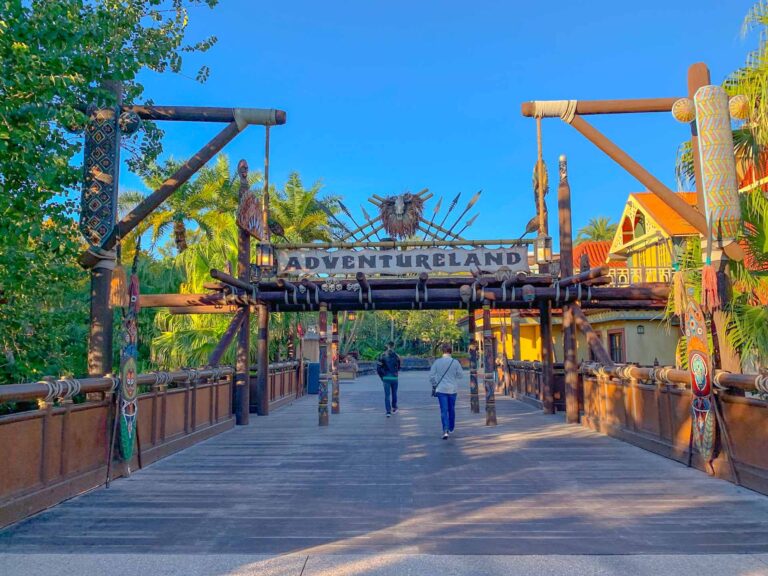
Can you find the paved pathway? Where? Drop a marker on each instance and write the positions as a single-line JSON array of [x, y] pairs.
[[371, 495]]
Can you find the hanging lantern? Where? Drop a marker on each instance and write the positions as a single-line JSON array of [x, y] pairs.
[[265, 256], [529, 293], [351, 316]]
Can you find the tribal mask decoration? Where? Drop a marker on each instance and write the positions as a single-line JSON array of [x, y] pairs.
[[401, 214]]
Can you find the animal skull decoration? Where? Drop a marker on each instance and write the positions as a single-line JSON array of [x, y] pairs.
[[401, 214]]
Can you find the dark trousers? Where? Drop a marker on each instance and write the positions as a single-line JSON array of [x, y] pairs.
[[447, 410], [390, 389]]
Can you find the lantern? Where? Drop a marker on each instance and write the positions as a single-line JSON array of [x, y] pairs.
[[265, 257]]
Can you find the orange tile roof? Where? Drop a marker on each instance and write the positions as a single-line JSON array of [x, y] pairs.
[[667, 218], [597, 250]]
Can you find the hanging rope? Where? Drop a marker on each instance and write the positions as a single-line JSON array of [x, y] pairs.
[[564, 109]]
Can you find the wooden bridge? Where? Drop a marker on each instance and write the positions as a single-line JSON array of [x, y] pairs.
[[376, 495]]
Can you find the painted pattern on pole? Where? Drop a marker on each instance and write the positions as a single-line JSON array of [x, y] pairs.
[[335, 406], [322, 395], [474, 400], [490, 393], [704, 423]]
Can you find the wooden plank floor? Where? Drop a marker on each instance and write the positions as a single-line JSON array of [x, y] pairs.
[[365, 484]]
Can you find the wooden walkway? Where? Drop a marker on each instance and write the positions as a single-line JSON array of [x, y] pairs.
[[367, 484]]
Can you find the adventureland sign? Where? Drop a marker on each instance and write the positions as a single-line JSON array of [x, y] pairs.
[[410, 261]]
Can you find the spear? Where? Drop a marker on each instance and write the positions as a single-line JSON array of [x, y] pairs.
[[453, 204], [330, 214], [434, 215], [467, 224], [348, 213], [368, 219], [471, 203]]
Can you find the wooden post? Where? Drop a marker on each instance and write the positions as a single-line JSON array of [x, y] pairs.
[[566, 270], [261, 404], [322, 395], [593, 340], [215, 358], [474, 400], [547, 369], [243, 360], [698, 76], [490, 392], [335, 407], [104, 157]]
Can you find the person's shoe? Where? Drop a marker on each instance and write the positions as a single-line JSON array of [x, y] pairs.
[[394, 410], [388, 414], [450, 431], [445, 435]]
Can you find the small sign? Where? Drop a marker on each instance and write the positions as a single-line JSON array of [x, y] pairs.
[[410, 261]]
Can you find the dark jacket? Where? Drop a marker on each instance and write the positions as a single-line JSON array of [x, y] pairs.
[[388, 364]]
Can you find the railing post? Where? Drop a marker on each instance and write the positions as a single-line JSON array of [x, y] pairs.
[[474, 399], [322, 395], [262, 352], [335, 407], [490, 392], [547, 369]]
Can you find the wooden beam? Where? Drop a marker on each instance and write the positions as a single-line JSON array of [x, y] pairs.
[[594, 341], [215, 358], [474, 397], [151, 202], [231, 280], [266, 117], [626, 106], [591, 274], [228, 309]]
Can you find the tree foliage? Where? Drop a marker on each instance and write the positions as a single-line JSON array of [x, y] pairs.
[[54, 57], [598, 228]]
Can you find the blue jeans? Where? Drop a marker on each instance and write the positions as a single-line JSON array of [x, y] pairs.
[[390, 388], [447, 410]]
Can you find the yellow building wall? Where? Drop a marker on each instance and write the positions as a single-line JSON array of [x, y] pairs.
[[658, 342]]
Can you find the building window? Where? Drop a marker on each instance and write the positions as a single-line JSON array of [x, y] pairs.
[[616, 345]]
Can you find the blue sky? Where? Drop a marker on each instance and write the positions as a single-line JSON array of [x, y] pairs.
[[384, 97]]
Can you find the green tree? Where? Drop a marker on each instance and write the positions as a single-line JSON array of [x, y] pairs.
[[54, 57], [299, 211], [598, 228]]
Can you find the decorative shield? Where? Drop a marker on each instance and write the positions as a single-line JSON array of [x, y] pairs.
[[704, 425], [128, 407]]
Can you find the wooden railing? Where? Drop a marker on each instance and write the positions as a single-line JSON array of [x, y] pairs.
[[287, 382], [60, 449], [651, 408], [525, 383]]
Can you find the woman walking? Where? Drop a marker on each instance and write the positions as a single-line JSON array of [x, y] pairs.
[[445, 376]]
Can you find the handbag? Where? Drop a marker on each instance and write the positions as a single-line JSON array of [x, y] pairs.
[[434, 386]]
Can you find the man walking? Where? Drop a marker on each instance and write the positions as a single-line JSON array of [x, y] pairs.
[[445, 376], [388, 367]]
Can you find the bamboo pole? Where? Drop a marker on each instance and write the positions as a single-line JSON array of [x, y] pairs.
[[261, 116], [405, 244]]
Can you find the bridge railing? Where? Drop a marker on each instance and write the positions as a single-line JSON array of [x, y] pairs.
[[60, 448], [525, 383], [651, 408], [286, 382]]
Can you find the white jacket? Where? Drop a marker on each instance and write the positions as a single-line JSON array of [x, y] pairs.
[[454, 375]]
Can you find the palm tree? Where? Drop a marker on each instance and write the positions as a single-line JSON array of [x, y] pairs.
[[299, 211], [599, 228], [201, 201]]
